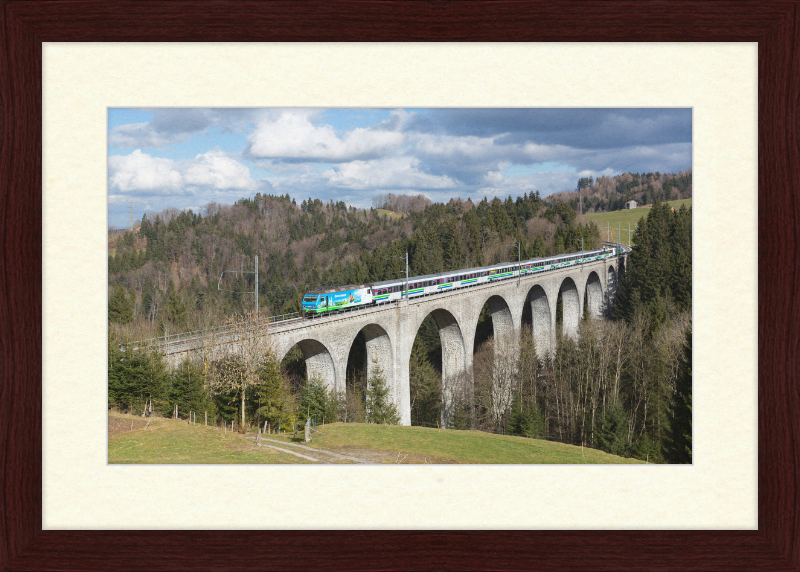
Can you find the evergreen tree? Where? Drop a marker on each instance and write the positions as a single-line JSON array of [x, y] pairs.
[[276, 403], [647, 449], [612, 432], [176, 309], [187, 390], [313, 399], [137, 377], [659, 266], [472, 226], [426, 390], [453, 251], [681, 241], [678, 448], [120, 307], [525, 418], [380, 408]]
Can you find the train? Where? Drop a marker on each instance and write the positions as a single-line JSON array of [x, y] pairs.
[[352, 296]]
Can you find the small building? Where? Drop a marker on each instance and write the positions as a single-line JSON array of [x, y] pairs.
[[631, 204]]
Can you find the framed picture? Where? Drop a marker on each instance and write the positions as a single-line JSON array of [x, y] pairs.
[[407, 279], [32, 545]]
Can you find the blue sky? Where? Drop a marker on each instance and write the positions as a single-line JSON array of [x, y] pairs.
[[187, 157]]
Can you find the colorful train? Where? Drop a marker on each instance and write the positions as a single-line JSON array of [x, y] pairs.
[[353, 296]]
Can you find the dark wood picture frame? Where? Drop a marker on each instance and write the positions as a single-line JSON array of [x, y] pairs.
[[24, 25]]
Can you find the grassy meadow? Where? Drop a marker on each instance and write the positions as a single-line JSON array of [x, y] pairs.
[[625, 217], [175, 441], [390, 214], [454, 446]]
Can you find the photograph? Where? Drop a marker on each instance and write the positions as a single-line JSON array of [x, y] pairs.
[[399, 285]]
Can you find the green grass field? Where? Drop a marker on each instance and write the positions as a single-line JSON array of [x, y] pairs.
[[390, 214], [624, 217], [169, 441], [175, 441], [448, 445]]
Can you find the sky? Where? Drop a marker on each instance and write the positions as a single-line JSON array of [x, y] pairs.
[[187, 157]]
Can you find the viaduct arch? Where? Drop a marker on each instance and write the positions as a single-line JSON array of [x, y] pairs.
[[389, 330]]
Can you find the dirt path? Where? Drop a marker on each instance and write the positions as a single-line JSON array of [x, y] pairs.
[[323, 451], [117, 425], [355, 455]]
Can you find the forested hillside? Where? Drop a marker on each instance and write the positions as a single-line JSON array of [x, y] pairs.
[[611, 193], [623, 386], [164, 278]]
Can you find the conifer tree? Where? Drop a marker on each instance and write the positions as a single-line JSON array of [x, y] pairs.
[[681, 242], [313, 399], [426, 389], [187, 389], [453, 252], [120, 307], [380, 408], [678, 447], [525, 418], [176, 309], [472, 226], [275, 400], [612, 432]]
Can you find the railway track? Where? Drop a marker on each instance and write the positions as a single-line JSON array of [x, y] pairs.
[[176, 342]]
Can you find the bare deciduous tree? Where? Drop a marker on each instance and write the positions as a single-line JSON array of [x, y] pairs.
[[240, 352]]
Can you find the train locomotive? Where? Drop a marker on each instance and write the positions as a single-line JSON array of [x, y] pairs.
[[336, 299]]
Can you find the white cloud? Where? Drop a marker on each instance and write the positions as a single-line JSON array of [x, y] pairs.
[[140, 173], [396, 172], [292, 136], [493, 178], [215, 169]]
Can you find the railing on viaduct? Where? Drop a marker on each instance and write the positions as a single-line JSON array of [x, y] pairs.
[[176, 343]]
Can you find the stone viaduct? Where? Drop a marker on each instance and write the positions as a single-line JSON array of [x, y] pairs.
[[390, 329]]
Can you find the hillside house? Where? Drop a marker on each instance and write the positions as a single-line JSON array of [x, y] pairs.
[[631, 204]]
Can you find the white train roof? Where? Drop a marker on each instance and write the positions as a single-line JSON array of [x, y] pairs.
[[385, 283]]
